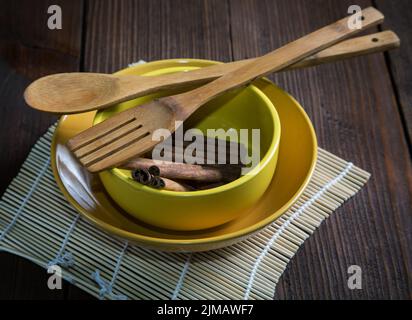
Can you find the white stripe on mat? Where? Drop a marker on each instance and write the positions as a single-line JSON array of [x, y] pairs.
[[182, 277], [294, 216], [26, 199]]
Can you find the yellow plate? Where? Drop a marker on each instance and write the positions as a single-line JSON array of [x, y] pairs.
[[297, 158]]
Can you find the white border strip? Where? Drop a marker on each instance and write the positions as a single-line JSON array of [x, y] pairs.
[[293, 217], [182, 277]]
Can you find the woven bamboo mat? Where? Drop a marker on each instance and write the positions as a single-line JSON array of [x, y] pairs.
[[37, 223]]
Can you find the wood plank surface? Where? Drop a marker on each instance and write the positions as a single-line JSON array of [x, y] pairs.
[[398, 16], [355, 115], [122, 32], [360, 109], [28, 50]]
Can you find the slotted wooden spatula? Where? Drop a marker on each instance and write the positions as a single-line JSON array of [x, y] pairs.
[[129, 133]]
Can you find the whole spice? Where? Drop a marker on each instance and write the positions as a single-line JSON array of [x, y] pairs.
[[141, 175], [172, 185], [183, 171], [144, 177], [148, 177], [231, 151], [154, 170], [181, 176]]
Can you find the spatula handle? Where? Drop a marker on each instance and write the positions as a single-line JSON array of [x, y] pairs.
[[188, 102], [371, 43]]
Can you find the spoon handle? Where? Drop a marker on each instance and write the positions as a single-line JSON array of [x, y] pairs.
[[186, 103]]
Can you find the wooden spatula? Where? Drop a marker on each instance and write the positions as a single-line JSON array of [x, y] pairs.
[[129, 133], [67, 93]]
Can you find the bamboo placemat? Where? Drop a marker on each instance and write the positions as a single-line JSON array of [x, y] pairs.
[[37, 223]]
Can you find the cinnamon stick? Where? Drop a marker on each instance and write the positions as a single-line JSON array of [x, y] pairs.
[[150, 177], [170, 152], [172, 185], [183, 171]]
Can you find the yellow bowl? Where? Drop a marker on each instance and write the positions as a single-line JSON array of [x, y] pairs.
[[244, 109]]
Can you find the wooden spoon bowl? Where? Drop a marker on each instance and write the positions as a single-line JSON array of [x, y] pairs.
[[73, 91]]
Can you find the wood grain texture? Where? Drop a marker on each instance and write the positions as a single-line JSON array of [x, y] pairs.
[[121, 32], [275, 60], [352, 104], [355, 116], [118, 139], [28, 49], [75, 92], [399, 17]]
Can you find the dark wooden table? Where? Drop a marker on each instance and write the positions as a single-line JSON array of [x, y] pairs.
[[361, 110]]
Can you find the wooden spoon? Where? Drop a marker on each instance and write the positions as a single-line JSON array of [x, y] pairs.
[[129, 133], [67, 93]]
